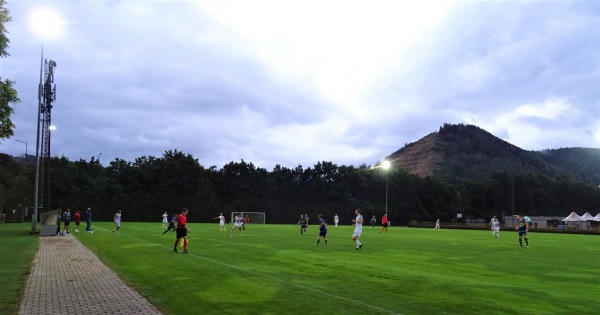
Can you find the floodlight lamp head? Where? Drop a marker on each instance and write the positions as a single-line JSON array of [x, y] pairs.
[[385, 164]]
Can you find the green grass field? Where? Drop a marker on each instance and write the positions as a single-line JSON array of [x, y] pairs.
[[271, 269], [17, 249]]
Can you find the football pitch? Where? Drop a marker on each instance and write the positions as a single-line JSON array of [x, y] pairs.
[[272, 269]]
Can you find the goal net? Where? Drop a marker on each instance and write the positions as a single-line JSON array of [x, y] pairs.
[[253, 217]]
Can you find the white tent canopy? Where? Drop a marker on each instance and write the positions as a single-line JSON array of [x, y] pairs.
[[597, 217], [573, 217], [587, 217]]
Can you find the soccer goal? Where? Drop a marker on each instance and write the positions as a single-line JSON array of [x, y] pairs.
[[253, 217]]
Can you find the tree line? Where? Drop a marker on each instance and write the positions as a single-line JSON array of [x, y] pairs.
[[149, 186]]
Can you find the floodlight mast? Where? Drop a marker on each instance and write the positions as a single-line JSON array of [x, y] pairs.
[[44, 23], [386, 166], [49, 95]]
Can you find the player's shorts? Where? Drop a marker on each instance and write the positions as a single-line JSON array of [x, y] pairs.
[[384, 225], [497, 229], [67, 222], [357, 231], [165, 221], [323, 233], [181, 232], [118, 223], [221, 223], [522, 233], [303, 226], [237, 225]]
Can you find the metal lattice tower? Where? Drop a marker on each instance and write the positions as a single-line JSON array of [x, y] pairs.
[[48, 90]]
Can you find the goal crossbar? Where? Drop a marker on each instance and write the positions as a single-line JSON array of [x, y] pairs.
[[254, 217]]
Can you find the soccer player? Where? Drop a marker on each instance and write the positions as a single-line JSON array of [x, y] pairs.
[[523, 228], [182, 230], [77, 218], [384, 224], [358, 222], [165, 221], [171, 224], [221, 218], [336, 220], [437, 224], [117, 220], [242, 228], [237, 223], [373, 221], [322, 229], [495, 224], [303, 224], [490, 224]]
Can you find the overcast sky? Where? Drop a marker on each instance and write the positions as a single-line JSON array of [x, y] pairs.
[[297, 82]]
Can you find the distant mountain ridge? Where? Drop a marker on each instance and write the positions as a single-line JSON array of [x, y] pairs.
[[458, 152]]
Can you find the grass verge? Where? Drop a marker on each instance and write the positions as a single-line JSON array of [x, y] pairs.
[[17, 250]]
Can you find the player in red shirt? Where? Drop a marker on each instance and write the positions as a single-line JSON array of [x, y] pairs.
[[77, 218], [384, 224], [182, 230]]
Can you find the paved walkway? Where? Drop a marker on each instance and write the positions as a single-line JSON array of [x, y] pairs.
[[67, 278]]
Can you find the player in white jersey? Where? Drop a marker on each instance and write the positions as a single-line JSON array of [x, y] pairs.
[[237, 223], [221, 218], [437, 224], [358, 222], [336, 220], [491, 225], [165, 222], [117, 220], [495, 226]]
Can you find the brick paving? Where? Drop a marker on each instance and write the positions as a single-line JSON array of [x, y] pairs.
[[67, 278]]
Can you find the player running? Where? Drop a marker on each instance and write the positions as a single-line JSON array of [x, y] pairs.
[[237, 223], [322, 229], [384, 224], [117, 220], [523, 228], [171, 224], [437, 224], [495, 224], [221, 218], [303, 224], [336, 220], [358, 222]]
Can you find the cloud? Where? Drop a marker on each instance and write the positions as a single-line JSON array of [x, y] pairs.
[[300, 82]]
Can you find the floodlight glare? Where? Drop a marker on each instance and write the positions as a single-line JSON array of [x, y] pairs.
[[52, 128], [46, 22], [385, 164]]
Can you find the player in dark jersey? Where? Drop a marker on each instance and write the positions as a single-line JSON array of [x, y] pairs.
[[322, 229], [523, 228], [373, 221], [303, 224], [171, 224]]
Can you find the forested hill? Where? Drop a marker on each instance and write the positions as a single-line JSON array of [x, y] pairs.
[[466, 152], [582, 163]]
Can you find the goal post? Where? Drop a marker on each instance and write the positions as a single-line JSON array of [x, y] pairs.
[[253, 217]]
